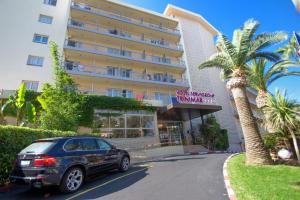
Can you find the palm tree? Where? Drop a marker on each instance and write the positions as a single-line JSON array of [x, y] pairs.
[[290, 50], [261, 76], [232, 58], [283, 115]]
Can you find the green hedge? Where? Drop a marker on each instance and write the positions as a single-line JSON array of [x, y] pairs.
[[91, 102], [13, 139]]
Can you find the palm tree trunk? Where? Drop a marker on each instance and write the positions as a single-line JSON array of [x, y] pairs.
[[256, 153], [261, 99], [295, 145]]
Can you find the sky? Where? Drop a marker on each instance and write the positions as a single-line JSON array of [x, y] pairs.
[[227, 15]]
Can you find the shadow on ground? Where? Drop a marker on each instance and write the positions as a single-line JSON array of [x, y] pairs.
[[119, 182]]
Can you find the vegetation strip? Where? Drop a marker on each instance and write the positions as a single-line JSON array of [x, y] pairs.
[[264, 182], [103, 184]]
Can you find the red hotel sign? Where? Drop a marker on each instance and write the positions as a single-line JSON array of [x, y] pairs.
[[193, 97]]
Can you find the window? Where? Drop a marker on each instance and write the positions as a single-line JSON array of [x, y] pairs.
[[45, 19], [31, 85], [103, 145], [38, 147], [113, 93], [126, 73], [50, 2], [163, 97], [81, 145], [133, 121], [35, 60], [40, 38], [89, 144], [112, 71]]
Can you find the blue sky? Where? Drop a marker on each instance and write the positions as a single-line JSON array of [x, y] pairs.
[[226, 15]]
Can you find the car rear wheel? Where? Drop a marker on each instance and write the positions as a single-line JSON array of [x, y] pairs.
[[72, 180], [124, 164]]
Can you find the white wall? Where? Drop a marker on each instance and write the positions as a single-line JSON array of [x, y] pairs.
[[199, 46], [19, 22]]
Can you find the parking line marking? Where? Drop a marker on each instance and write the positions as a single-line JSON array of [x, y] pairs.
[[103, 184]]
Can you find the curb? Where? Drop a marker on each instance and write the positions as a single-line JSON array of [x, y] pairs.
[[231, 194]]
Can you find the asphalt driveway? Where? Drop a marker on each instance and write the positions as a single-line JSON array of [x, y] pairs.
[[196, 177]]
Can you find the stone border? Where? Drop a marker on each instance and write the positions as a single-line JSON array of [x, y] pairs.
[[231, 194]]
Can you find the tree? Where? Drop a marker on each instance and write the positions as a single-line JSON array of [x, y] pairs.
[[212, 134], [232, 58], [60, 102], [283, 115], [24, 109], [261, 76], [290, 50]]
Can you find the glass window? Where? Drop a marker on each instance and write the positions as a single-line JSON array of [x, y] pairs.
[[38, 147], [133, 121], [113, 93], [89, 144], [117, 122], [125, 73], [72, 145], [35, 60], [45, 19], [31, 85], [147, 122], [103, 145], [112, 71], [40, 38], [148, 132], [133, 133], [114, 51], [50, 2], [103, 122], [118, 133]]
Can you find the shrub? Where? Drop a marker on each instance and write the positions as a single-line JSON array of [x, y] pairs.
[[91, 102], [13, 139], [222, 141]]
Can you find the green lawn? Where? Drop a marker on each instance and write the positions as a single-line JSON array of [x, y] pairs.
[[264, 183]]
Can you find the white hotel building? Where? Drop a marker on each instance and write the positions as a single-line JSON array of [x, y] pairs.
[[112, 48]]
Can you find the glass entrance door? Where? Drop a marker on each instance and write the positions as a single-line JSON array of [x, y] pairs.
[[170, 132]]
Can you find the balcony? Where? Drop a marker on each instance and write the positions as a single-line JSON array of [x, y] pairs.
[[96, 28], [124, 54], [115, 16], [123, 74]]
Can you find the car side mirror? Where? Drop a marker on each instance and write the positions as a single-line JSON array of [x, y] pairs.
[[113, 147]]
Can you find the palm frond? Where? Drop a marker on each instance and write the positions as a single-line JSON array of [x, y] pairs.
[[266, 40], [217, 60], [227, 47], [248, 31], [283, 74]]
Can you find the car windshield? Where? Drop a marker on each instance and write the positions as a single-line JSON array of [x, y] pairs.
[[38, 147]]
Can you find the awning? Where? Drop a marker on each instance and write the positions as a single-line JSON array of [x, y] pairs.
[[185, 112]]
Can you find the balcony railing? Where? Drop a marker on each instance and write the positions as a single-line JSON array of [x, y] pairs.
[[121, 53], [125, 74], [122, 34], [123, 18]]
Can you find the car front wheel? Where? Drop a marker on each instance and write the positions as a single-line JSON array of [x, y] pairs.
[[124, 164], [72, 180]]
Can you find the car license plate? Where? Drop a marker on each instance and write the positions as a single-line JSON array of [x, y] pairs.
[[25, 163]]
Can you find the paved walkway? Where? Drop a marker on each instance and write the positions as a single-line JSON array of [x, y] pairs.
[[196, 177]]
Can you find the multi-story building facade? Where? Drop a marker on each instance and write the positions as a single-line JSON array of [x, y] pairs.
[[111, 48]]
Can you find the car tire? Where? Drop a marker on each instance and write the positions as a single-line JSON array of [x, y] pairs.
[[72, 180], [124, 164]]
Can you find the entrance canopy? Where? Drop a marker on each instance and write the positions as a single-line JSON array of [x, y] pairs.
[[183, 111]]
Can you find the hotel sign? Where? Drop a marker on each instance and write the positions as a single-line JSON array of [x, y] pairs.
[[194, 97]]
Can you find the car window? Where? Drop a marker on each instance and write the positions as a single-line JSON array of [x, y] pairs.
[[89, 144], [38, 147], [81, 145], [103, 145]]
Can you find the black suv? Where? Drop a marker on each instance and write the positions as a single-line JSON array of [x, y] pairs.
[[67, 161]]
